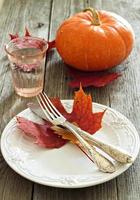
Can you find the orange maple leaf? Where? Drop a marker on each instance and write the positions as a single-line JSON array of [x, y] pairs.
[[81, 114]]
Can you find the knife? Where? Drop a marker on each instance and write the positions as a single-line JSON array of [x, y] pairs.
[[35, 108], [116, 153]]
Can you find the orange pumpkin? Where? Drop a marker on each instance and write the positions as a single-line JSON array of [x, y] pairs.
[[94, 40]]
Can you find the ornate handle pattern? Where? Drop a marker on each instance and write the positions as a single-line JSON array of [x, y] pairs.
[[103, 163], [115, 152]]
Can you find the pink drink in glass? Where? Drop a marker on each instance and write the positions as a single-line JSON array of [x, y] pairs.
[[27, 59]]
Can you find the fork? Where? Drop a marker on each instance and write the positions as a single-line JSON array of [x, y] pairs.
[[56, 118], [85, 139]]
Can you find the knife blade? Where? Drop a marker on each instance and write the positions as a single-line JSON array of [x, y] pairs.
[[35, 108]]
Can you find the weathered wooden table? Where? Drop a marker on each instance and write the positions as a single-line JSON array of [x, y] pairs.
[[43, 18]]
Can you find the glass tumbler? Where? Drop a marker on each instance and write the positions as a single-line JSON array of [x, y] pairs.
[[27, 62]]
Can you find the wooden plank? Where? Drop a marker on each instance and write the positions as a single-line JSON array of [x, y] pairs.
[[89, 193], [15, 15], [129, 103]]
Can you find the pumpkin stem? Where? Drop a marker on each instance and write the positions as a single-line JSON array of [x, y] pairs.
[[95, 15]]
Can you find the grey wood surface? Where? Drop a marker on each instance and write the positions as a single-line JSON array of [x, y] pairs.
[[123, 94]]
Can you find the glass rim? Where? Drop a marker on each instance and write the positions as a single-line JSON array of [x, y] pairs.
[[37, 54]]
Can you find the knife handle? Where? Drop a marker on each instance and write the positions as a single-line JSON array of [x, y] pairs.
[[115, 152], [102, 162]]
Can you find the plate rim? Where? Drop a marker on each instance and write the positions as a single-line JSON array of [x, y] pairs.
[[75, 185]]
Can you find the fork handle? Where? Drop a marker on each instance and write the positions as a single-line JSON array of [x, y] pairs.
[[103, 163], [115, 152]]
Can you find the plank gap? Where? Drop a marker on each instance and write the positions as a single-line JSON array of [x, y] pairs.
[[117, 189], [49, 28], [32, 195], [50, 18]]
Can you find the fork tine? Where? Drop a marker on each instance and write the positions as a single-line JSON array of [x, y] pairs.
[[44, 108], [51, 106]]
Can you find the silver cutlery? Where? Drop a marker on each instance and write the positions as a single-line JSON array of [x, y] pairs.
[[115, 152], [56, 118], [86, 140]]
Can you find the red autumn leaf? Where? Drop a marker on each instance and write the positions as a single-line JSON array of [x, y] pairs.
[[31, 43], [21, 43], [95, 79], [34, 44], [12, 36], [81, 114], [27, 33], [37, 43], [42, 133], [51, 44]]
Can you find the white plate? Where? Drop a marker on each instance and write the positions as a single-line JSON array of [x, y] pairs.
[[66, 167]]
